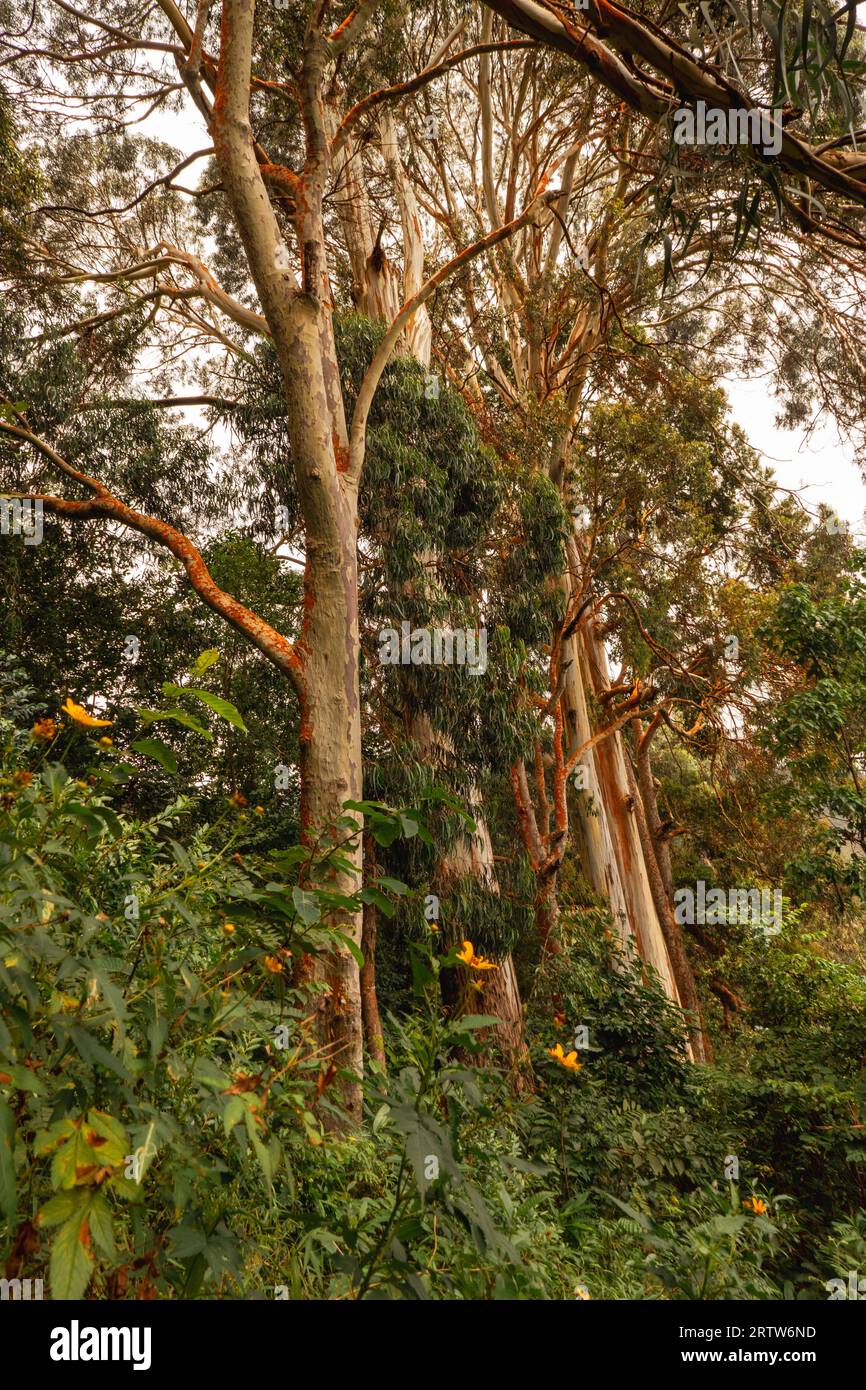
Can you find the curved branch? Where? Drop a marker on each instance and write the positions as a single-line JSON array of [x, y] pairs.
[[105, 212], [282, 653], [351, 28], [380, 359], [414, 84]]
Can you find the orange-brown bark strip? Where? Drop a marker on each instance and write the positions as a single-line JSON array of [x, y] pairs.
[[369, 999], [661, 885], [351, 27], [285, 655]]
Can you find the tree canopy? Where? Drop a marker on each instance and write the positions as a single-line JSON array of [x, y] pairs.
[[433, 777]]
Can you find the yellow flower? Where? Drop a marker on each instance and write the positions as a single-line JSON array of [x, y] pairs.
[[106, 742], [756, 1205], [259, 810], [238, 799], [45, 729], [228, 928], [80, 716], [273, 965], [468, 957], [565, 1059]]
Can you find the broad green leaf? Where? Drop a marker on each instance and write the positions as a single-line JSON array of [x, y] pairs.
[[393, 885], [207, 1073], [383, 829], [115, 1143], [71, 1260], [295, 855], [85, 1148], [21, 1078], [306, 905], [472, 1021], [93, 1051], [179, 716], [224, 708], [352, 947], [113, 997], [187, 1242], [372, 895], [101, 1226], [106, 814], [233, 1113], [204, 662], [180, 855], [337, 900], [85, 815], [62, 1206], [159, 751], [381, 1118], [268, 1154]]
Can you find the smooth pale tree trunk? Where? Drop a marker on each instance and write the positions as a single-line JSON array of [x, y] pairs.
[[607, 850], [613, 766], [598, 858], [612, 850], [657, 856], [299, 316], [379, 287]]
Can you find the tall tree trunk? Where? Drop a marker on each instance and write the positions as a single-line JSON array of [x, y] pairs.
[[611, 849], [379, 289], [656, 855], [369, 998], [598, 857], [613, 767], [499, 996], [299, 317]]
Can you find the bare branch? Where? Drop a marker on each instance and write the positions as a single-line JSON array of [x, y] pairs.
[[278, 649]]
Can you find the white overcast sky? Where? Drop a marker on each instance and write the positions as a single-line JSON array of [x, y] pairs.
[[821, 469]]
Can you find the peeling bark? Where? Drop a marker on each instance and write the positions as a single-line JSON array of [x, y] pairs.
[[369, 1000], [613, 767], [657, 857], [301, 323]]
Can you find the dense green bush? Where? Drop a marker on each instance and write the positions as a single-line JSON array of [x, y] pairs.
[[168, 1123]]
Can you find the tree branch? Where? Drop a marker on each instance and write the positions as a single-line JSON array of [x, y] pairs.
[[283, 654], [380, 360]]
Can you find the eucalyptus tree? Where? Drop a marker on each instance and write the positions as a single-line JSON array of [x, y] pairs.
[[126, 60], [268, 88], [522, 333]]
